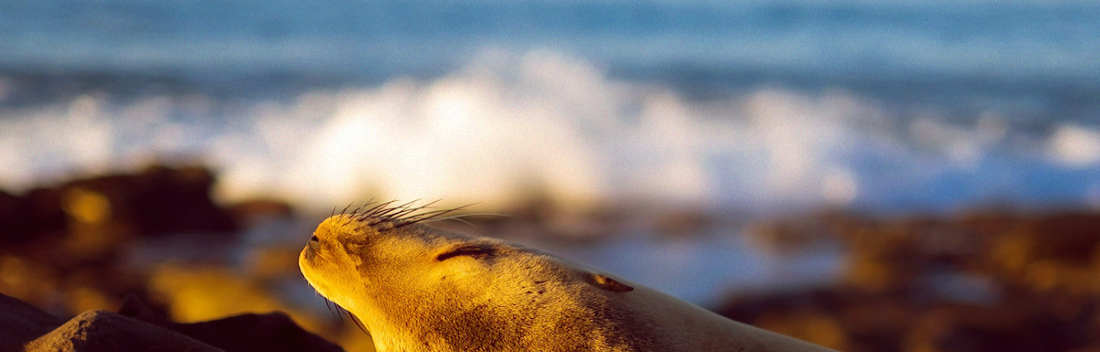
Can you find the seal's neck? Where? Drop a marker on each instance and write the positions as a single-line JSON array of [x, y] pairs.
[[466, 327]]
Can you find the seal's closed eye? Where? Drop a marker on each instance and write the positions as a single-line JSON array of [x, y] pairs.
[[472, 250]]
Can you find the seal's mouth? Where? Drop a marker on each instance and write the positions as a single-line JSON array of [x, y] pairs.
[[309, 253]]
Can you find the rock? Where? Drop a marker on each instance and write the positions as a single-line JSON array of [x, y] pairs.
[[988, 281], [94, 331], [34, 216], [139, 328], [12, 218], [1022, 328], [178, 200], [251, 211], [21, 322], [271, 332], [157, 200]]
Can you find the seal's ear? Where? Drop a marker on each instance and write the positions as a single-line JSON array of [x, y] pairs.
[[607, 283]]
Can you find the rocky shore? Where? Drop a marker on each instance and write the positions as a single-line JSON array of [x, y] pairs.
[[135, 328], [976, 281], [989, 280]]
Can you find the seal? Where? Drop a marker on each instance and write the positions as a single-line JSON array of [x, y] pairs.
[[416, 288]]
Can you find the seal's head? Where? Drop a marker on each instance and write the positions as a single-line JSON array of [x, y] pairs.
[[416, 288]]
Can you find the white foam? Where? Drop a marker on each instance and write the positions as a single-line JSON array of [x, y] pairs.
[[1075, 145], [507, 126]]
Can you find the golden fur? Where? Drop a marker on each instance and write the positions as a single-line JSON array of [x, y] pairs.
[[419, 289]]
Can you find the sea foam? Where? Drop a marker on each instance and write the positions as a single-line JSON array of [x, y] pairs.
[[509, 126]]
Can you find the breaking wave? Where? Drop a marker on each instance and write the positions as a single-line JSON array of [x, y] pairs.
[[508, 126]]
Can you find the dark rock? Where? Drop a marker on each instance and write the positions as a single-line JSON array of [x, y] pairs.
[[94, 331], [158, 200], [79, 231], [13, 219], [178, 200], [34, 216], [21, 322], [134, 307], [1019, 328], [254, 210], [138, 327], [271, 332], [979, 282]]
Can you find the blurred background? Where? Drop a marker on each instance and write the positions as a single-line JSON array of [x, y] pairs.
[[867, 175]]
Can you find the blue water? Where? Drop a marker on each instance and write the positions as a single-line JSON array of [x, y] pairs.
[[927, 104], [1034, 56]]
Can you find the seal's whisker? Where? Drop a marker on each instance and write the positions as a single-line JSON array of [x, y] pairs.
[[424, 216], [461, 216], [372, 213], [355, 320], [343, 315], [373, 210], [394, 215], [429, 215], [425, 213], [428, 205], [468, 224], [437, 213], [386, 213], [340, 313], [357, 208], [328, 305], [376, 206], [458, 218], [410, 210]]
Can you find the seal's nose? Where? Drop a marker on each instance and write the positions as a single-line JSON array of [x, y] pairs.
[[312, 245]]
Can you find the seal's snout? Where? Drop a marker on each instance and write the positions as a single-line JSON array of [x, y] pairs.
[[313, 244]]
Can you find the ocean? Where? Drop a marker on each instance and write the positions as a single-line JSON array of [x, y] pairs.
[[889, 106]]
